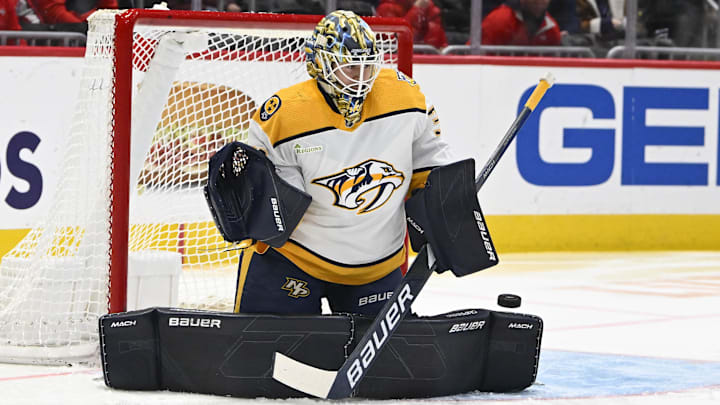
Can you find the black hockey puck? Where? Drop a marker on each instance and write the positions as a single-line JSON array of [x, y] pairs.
[[509, 300]]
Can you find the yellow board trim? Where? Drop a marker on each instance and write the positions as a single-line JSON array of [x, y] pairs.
[[323, 270], [511, 233], [535, 233], [9, 238]]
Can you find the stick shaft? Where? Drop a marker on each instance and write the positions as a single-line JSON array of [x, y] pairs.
[[507, 139], [382, 328]]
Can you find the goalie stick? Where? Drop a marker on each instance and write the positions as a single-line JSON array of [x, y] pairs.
[[341, 383]]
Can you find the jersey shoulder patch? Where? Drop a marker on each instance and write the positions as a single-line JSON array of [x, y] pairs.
[[270, 107], [403, 77], [283, 102], [291, 111]]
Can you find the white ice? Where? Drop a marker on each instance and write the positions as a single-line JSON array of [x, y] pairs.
[[620, 328]]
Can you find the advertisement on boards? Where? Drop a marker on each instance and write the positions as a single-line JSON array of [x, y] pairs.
[[36, 111], [602, 140], [620, 154]]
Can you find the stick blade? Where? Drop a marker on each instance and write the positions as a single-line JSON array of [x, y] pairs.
[[302, 377]]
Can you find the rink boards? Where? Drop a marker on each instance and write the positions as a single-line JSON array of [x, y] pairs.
[[620, 155]]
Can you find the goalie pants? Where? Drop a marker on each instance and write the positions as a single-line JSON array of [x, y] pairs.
[[271, 284]]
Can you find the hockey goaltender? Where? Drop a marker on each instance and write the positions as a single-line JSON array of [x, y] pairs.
[[381, 356]]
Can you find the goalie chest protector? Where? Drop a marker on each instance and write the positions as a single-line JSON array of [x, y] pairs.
[[232, 354]]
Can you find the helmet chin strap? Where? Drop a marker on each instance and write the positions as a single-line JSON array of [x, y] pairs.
[[349, 107]]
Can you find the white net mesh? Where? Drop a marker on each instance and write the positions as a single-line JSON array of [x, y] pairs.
[[194, 89]]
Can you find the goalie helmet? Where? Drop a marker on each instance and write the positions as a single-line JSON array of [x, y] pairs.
[[342, 55]]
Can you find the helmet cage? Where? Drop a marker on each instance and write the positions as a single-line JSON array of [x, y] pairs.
[[351, 75]]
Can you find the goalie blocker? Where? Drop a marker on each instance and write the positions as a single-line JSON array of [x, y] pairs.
[[247, 198], [446, 214], [231, 354]]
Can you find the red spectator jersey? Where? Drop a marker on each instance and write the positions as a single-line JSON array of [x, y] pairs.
[[426, 22], [55, 11], [8, 17], [505, 26]]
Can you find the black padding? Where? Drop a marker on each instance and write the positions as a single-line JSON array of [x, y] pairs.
[[236, 359], [232, 354], [424, 359], [128, 346], [247, 198], [446, 213], [513, 352]]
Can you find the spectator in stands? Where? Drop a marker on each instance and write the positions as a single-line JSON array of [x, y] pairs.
[[424, 16], [521, 22], [68, 11], [602, 18], [681, 20], [26, 14], [8, 17], [565, 13]]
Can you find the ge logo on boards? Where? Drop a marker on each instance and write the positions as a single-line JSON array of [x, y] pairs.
[[635, 169]]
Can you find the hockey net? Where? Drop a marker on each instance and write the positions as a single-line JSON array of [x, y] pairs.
[[131, 188]]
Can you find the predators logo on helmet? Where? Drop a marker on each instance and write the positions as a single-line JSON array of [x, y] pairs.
[[342, 54]]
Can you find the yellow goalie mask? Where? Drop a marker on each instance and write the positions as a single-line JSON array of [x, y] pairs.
[[342, 55]]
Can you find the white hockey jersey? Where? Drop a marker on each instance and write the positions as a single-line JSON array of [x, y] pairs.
[[358, 177]]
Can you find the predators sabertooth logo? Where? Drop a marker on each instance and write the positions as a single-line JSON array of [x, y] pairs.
[[365, 186]]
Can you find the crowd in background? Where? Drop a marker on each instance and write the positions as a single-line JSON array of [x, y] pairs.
[[439, 23]]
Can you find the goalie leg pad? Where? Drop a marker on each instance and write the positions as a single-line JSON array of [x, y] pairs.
[[247, 198], [232, 354], [215, 353], [446, 213], [131, 362]]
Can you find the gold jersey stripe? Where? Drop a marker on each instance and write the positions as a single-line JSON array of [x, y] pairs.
[[319, 130], [247, 255], [418, 180], [322, 269], [303, 110]]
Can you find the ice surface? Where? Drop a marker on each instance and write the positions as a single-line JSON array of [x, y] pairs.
[[620, 328]]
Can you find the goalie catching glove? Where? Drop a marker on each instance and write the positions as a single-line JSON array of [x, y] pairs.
[[446, 214], [247, 198]]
